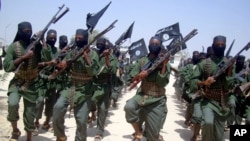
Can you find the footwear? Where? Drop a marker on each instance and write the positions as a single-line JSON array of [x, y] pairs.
[[15, 135], [98, 138], [89, 119], [35, 132], [114, 105], [46, 127], [187, 123], [160, 138], [137, 137], [61, 138]]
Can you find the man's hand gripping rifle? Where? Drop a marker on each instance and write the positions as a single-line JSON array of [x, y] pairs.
[[227, 67], [173, 49], [37, 38], [61, 68]]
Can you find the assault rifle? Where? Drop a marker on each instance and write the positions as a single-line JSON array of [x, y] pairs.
[[241, 73], [37, 38], [81, 51], [173, 49], [230, 62]]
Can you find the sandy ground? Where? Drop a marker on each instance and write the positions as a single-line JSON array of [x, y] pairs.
[[116, 126]]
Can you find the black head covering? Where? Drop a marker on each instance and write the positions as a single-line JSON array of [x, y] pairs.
[[209, 51], [241, 58], [82, 32], [156, 37], [219, 49], [85, 34], [155, 49], [203, 55], [196, 57], [63, 41], [20, 35], [51, 31], [101, 44], [240, 61], [50, 41], [101, 41], [219, 38], [196, 52]]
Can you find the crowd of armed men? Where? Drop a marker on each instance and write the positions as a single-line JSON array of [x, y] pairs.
[[86, 80]]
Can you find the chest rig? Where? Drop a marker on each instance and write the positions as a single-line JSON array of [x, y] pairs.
[[218, 94], [27, 72]]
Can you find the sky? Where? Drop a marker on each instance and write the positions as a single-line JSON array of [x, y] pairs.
[[230, 18]]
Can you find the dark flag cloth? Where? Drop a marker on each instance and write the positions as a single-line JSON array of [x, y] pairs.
[[176, 40], [137, 50], [127, 34], [92, 19], [0, 4], [169, 32]]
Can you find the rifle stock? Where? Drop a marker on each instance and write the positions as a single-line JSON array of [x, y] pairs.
[[160, 59], [37, 38]]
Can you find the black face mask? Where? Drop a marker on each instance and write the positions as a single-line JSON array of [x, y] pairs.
[[195, 59], [62, 45], [219, 51], [81, 43], [154, 49], [101, 47], [24, 36], [51, 42], [239, 66]]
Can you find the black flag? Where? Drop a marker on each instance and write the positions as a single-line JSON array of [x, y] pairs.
[[127, 34], [137, 50], [169, 32], [92, 19]]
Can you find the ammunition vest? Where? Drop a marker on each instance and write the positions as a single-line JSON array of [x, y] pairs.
[[216, 94], [151, 89], [29, 70], [80, 78]]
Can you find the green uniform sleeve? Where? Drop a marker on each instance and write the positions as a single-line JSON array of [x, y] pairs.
[[93, 68], [113, 64], [196, 77], [46, 54], [163, 79], [8, 62], [135, 69]]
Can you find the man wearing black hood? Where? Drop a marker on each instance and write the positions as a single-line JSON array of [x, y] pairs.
[[24, 82], [149, 103], [63, 42], [79, 90], [102, 81], [236, 99], [214, 92], [210, 52], [48, 91]]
